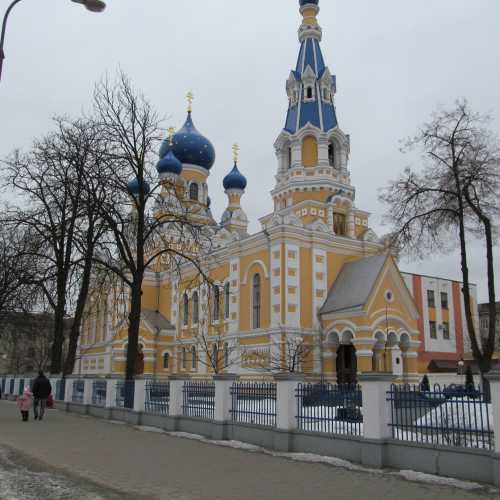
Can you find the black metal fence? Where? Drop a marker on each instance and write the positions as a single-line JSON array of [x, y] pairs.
[[12, 382], [157, 397], [60, 389], [99, 390], [254, 403], [198, 399], [328, 408], [78, 390], [21, 387], [4, 381], [447, 416], [125, 390]]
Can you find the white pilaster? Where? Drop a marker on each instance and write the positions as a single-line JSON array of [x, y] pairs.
[[87, 391], [139, 394], [223, 398], [286, 403]]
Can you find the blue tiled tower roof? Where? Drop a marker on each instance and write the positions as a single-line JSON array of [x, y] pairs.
[[318, 112]]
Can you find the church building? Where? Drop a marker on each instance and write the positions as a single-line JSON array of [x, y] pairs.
[[315, 291]]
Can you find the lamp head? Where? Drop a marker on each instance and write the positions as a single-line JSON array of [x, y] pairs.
[[92, 5]]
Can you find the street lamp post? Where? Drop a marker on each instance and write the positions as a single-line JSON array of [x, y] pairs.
[[91, 5]]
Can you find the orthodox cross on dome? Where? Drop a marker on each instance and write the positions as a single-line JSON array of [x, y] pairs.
[[171, 132], [190, 99], [236, 152]]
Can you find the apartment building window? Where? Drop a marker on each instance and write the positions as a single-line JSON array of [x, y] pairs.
[[432, 329], [484, 323], [444, 300], [431, 301], [446, 330]]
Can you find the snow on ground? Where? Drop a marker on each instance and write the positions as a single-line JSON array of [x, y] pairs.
[[21, 479], [420, 477]]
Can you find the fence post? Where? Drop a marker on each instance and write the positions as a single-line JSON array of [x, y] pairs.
[[286, 408], [176, 395], [111, 385], [494, 379], [17, 381], [139, 394], [376, 415], [68, 391], [222, 411]]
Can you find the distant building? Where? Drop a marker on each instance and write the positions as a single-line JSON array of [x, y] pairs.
[[25, 342], [484, 323], [444, 337]]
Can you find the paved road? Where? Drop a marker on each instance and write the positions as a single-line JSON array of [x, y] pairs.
[[158, 466]]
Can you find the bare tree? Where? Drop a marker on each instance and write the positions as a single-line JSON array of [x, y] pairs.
[[54, 184], [148, 227], [291, 355], [451, 198]]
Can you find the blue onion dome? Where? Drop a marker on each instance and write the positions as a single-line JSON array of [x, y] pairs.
[[165, 147], [235, 180], [134, 189], [189, 146], [169, 164]]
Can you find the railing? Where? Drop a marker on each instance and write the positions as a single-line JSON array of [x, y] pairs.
[[198, 399], [450, 416], [99, 389], [12, 382], [78, 390], [332, 409], [125, 394], [21, 387], [60, 389], [157, 397], [4, 381], [254, 403]]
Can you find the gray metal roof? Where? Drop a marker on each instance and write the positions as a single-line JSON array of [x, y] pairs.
[[157, 320], [352, 288]]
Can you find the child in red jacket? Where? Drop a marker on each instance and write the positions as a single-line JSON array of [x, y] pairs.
[[24, 403]]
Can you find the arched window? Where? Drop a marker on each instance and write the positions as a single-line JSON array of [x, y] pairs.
[[310, 151], [289, 158], [196, 308], [166, 361], [331, 154], [309, 92], [227, 295], [256, 301], [186, 310], [184, 358], [216, 303], [193, 191], [325, 94], [226, 355], [194, 359], [339, 225]]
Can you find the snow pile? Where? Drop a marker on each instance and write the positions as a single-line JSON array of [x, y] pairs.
[[420, 477]]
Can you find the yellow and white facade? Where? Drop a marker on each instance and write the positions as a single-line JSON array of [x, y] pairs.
[[315, 272]]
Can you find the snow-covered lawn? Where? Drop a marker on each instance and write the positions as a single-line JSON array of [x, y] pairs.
[[464, 422]]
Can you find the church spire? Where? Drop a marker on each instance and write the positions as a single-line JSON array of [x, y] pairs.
[[310, 87]]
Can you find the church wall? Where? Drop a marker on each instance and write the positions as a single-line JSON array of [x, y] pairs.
[[306, 288]]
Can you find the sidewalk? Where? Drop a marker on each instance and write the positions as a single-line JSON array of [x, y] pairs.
[[159, 466]]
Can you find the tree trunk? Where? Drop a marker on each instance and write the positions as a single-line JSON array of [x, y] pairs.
[[74, 335], [57, 343]]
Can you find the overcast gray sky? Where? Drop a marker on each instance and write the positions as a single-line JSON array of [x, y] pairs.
[[395, 61]]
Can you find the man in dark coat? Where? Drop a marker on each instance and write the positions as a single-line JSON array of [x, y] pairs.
[[41, 392]]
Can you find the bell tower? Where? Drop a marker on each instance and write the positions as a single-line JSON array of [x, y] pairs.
[[313, 182]]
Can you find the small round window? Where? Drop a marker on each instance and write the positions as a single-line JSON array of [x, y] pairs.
[[389, 296]]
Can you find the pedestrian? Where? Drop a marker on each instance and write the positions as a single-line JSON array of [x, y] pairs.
[[24, 403], [41, 391]]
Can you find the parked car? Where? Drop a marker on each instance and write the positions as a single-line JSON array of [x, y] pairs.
[[460, 391]]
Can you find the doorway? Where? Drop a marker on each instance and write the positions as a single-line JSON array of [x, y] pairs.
[[347, 366]]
